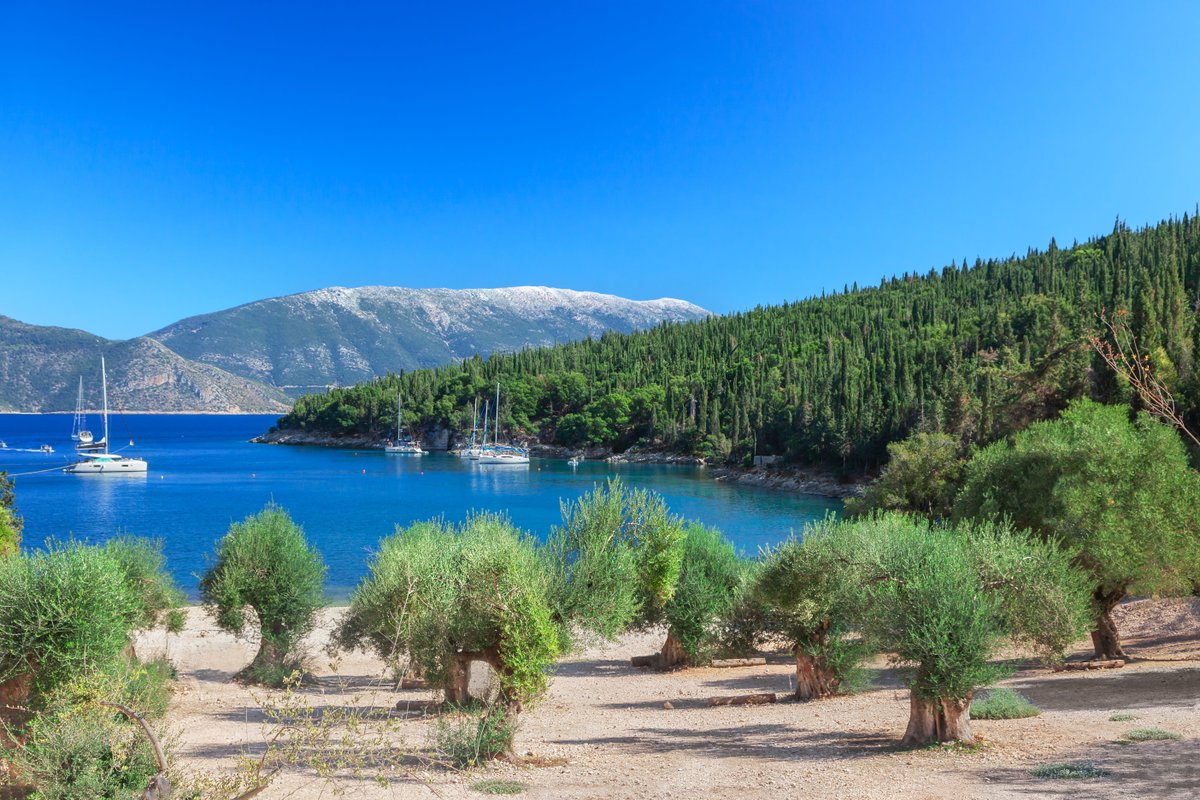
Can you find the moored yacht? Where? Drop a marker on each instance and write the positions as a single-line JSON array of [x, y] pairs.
[[100, 461], [403, 446]]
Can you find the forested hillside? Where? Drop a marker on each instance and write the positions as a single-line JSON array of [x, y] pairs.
[[977, 350]]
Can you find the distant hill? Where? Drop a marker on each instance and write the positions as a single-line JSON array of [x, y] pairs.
[[975, 351], [251, 358], [344, 336], [40, 369]]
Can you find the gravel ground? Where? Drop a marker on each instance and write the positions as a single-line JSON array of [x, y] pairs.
[[603, 731]]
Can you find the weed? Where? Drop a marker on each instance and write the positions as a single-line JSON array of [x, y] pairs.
[[1077, 771], [499, 787], [1150, 735], [1122, 718], [1003, 704]]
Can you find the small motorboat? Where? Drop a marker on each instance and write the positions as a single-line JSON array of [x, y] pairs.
[[574, 462], [46, 448]]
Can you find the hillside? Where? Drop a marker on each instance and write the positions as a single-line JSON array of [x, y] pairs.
[[976, 350], [40, 369], [343, 336]]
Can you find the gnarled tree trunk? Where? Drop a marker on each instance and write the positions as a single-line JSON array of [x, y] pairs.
[[672, 653], [458, 681], [942, 720], [1105, 638], [814, 678]]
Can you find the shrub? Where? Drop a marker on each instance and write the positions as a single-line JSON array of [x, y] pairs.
[[10, 522], [1122, 718], [1003, 703], [67, 611], [1151, 735], [1068, 771], [85, 753], [922, 475], [265, 565]]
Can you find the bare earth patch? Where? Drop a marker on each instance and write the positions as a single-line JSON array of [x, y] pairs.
[[603, 731]]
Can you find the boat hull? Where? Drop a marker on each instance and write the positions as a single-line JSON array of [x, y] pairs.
[[489, 459], [122, 466]]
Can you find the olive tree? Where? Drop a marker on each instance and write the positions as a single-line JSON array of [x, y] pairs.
[[943, 601], [264, 565], [808, 594], [711, 575], [144, 567], [616, 563], [445, 596], [1116, 492]]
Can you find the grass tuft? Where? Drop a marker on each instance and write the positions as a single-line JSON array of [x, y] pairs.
[[1077, 771], [1122, 718], [499, 787], [1150, 735], [1003, 704]]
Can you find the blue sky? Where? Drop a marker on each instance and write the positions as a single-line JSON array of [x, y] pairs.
[[162, 160]]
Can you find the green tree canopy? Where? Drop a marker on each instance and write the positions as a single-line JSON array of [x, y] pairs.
[[1115, 492]]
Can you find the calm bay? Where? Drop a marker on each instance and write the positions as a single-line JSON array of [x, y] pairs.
[[205, 474]]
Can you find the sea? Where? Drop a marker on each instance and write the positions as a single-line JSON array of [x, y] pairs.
[[205, 474]]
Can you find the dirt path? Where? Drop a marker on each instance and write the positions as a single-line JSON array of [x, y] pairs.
[[603, 731]]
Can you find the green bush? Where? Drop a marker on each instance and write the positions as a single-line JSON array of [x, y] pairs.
[[1003, 703], [265, 565], [85, 753], [10, 522], [1151, 735], [67, 611], [922, 475], [1068, 771], [1122, 718], [498, 787]]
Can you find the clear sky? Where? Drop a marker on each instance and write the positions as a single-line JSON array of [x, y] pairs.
[[165, 159]]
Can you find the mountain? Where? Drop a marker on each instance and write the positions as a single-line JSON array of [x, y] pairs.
[[40, 369], [344, 336], [249, 358], [976, 351]]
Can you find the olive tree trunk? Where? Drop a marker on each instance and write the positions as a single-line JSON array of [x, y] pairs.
[[814, 678], [672, 653], [941, 720], [1105, 638]]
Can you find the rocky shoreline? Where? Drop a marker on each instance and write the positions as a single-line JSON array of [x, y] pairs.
[[781, 478]]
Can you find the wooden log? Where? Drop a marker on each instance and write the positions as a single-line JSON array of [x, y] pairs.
[[757, 661], [1112, 663], [413, 683], [743, 699], [644, 661]]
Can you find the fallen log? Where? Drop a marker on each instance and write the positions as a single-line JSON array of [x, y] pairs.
[[1112, 663], [644, 661], [759, 699], [739, 662], [413, 683]]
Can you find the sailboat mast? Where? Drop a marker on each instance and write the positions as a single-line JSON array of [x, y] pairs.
[[104, 390], [496, 433], [474, 422], [485, 422], [399, 409]]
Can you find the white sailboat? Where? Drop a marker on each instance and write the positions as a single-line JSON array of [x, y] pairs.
[[497, 453], [100, 461], [79, 431], [472, 451], [403, 446]]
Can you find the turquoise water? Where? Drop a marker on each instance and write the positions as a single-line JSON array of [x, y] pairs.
[[204, 474]]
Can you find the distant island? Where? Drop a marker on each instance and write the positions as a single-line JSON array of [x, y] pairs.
[[256, 358]]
